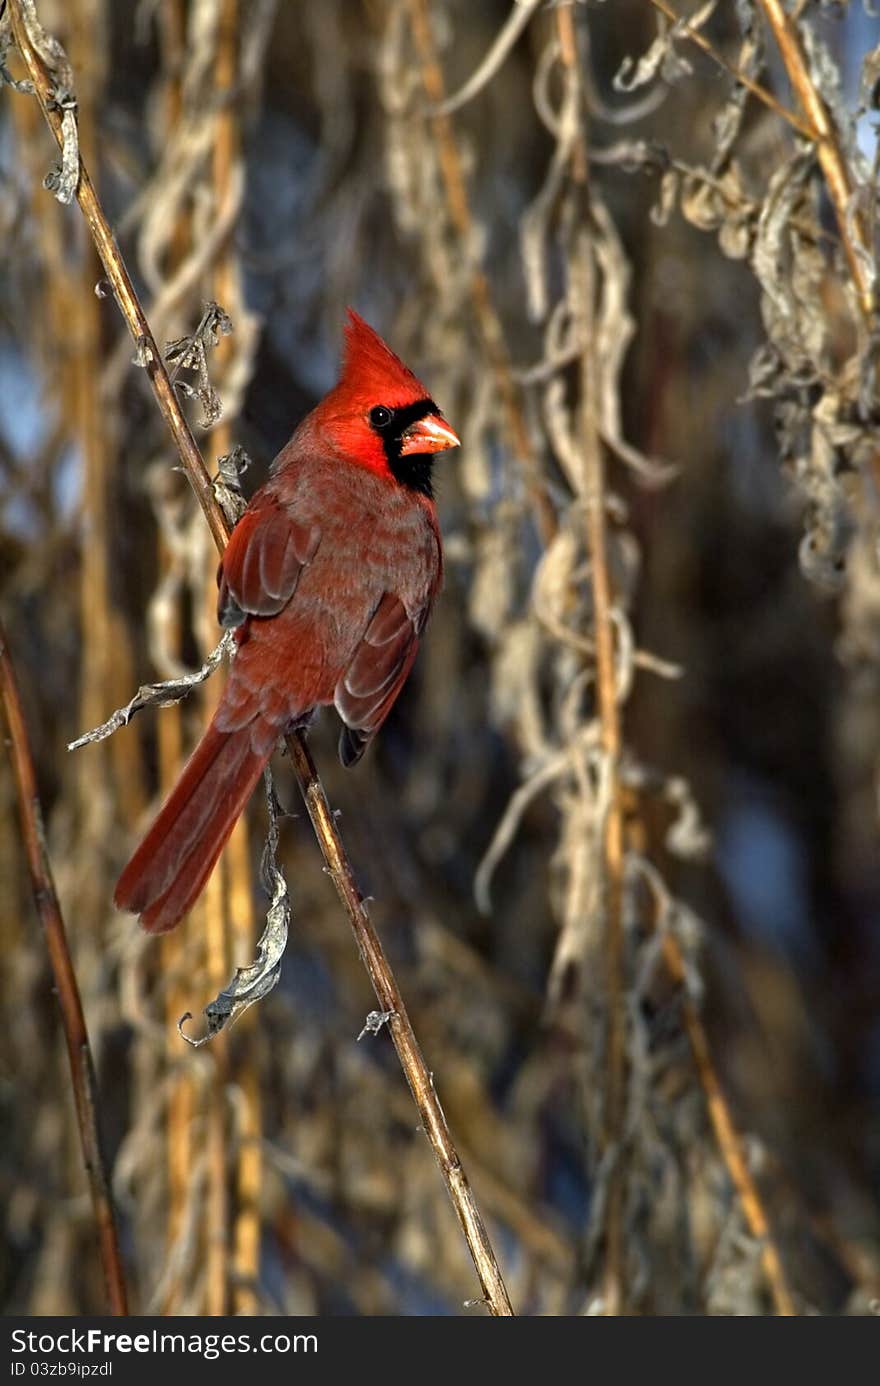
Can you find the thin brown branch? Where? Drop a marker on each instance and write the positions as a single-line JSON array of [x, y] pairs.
[[183, 1094], [107, 666], [762, 94], [249, 1160], [213, 907], [609, 720], [819, 128], [832, 162], [237, 899], [583, 273], [458, 205], [82, 1070], [728, 1137], [212, 917], [326, 830], [391, 1003]]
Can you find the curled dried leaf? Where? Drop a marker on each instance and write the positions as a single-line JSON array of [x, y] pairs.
[[252, 983], [662, 59], [191, 354]]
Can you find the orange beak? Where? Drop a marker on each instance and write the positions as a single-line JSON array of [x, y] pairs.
[[431, 434]]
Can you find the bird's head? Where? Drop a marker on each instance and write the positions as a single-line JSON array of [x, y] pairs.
[[380, 416]]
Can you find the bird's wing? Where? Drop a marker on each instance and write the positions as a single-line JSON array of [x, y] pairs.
[[262, 562], [375, 675]]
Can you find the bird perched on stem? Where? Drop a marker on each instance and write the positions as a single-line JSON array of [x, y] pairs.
[[328, 580]]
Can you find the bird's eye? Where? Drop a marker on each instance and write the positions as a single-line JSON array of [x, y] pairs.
[[380, 417]]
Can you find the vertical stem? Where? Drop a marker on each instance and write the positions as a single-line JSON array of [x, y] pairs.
[[390, 1000], [222, 1219], [212, 915], [583, 282], [174, 946], [211, 911], [609, 720], [728, 1137], [181, 1112], [249, 1166], [79, 1054], [106, 656], [726, 1133], [851, 227]]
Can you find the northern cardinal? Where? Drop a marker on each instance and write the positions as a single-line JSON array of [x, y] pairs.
[[328, 579]]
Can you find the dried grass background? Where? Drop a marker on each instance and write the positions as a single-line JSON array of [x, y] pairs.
[[621, 831]]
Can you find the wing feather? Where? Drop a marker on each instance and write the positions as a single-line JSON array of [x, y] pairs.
[[375, 675], [262, 563]]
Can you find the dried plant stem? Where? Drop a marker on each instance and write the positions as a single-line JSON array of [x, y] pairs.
[[181, 1113], [820, 130], [583, 275], [212, 916], [181, 1100], [609, 720], [836, 174], [174, 946], [378, 967], [550, 1247], [728, 1137], [85, 1088], [828, 151], [216, 1205], [106, 660], [391, 1004], [234, 921], [249, 1157], [458, 205], [239, 905], [72, 313], [761, 93]]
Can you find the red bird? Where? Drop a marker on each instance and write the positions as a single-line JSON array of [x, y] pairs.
[[328, 578]]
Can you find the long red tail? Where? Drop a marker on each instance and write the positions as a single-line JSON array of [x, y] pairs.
[[178, 854]]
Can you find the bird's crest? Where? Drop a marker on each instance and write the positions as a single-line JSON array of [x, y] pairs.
[[370, 367]]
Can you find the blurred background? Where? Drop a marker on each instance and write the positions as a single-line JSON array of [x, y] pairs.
[[621, 829]]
